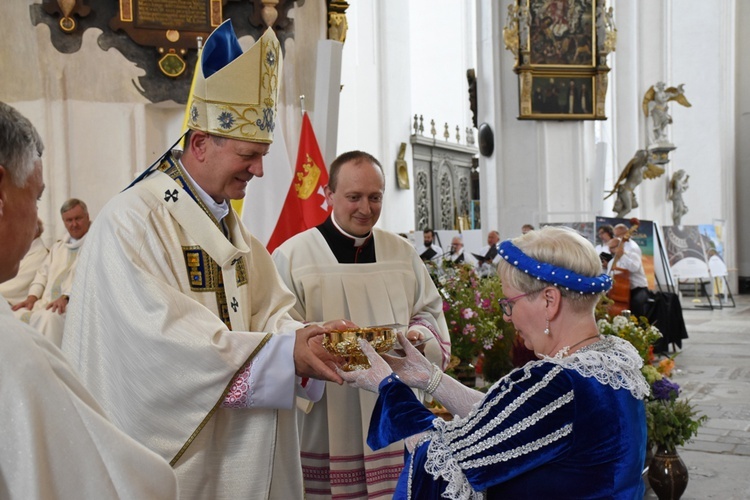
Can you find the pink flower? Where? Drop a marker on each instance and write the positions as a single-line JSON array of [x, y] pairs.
[[446, 306], [468, 329], [486, 304], [468, 313]]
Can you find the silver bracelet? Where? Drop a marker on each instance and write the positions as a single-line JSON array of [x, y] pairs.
[[435, 377]]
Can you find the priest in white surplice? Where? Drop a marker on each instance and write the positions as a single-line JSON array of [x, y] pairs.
[[56, 441], [17, 289], [49, 293], [179, 323], [347, 268]]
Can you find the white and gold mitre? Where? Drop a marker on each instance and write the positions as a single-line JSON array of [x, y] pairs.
[[235, 94]]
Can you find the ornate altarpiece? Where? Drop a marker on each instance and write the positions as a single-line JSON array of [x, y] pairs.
[[442, 182]]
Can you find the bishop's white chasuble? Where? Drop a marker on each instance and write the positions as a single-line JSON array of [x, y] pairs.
[[166, 311]]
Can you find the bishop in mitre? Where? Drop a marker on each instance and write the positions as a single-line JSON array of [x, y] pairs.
[[179, 324]]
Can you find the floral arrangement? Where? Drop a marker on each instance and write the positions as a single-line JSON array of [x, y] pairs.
[[670, 421], [636, 331], [473, 315]]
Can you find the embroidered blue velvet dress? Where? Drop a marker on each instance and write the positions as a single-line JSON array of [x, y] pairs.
[[557, 428]]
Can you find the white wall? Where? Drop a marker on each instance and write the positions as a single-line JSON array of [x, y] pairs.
[[398, 61], [742, 117]]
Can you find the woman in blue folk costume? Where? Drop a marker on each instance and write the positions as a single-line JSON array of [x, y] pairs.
[[570, 425]]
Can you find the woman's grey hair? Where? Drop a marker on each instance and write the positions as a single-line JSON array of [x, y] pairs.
[[559, 246], [20, 144]]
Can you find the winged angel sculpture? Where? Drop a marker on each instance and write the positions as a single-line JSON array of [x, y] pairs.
[[656, 105], [632, 175]]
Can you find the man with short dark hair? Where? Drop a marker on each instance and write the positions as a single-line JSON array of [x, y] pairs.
[[56, 440], [346, 267], [50, 290], [429, 250]]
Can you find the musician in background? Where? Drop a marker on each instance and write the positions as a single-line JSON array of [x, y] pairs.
[[456, 253], [630, 260], [430, 250], [488, 257], [605, 233], [620, 231]]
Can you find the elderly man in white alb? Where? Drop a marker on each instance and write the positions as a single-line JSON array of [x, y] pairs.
[[50, 290], [180, 324], [16, 290], [456, 253], [488, 257], [56, 441], [346, 267]]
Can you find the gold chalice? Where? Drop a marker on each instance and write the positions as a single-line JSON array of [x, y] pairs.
[[344, 343]]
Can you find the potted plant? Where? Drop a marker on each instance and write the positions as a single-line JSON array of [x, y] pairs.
[[670, 420]]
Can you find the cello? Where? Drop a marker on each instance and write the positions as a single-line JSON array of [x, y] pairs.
[[620, 291]]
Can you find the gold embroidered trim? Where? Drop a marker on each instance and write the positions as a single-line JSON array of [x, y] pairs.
[[218, 403], [241, 272], [205, 275]]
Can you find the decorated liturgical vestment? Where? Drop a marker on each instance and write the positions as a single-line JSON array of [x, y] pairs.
[[168, 309], [383, 281]]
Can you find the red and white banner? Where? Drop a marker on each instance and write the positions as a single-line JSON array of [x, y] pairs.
[[305, 205], [273, 219]]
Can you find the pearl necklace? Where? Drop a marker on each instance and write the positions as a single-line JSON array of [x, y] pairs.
[[565, 350]]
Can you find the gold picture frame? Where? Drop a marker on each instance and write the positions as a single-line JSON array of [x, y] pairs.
[[561, 49]]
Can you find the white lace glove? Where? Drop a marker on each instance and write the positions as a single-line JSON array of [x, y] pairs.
[[413, 369], [369, 379], [416, 371]]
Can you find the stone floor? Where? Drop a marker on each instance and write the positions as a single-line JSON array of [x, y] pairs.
[[713, 369]]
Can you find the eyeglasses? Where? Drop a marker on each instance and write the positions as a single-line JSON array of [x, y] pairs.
[[506, 305]]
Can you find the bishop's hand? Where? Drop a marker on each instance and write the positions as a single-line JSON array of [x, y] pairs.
[[311, 360]]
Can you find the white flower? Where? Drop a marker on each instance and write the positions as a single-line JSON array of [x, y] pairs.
[[603, 326], [620, 322]]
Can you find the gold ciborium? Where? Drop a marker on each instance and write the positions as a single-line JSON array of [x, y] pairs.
[[344, 343]]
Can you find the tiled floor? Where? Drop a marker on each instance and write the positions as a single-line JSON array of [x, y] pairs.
[[713, 369]]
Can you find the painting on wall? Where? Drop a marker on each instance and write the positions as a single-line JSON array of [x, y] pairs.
[[570, 97], [561, 32], [561, 49]]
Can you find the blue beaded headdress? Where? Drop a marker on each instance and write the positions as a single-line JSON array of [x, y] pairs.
[[558, 276]]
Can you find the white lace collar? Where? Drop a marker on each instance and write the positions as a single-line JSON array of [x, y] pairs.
[[612, 361]]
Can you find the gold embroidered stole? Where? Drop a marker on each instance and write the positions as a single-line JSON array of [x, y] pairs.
[[204, 273]]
